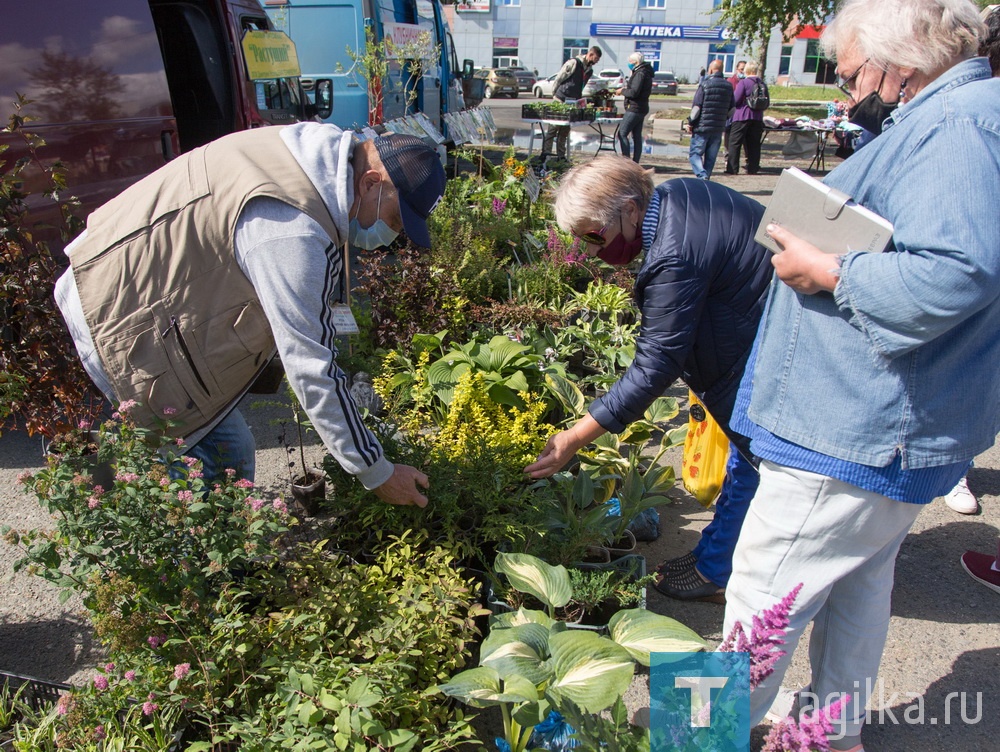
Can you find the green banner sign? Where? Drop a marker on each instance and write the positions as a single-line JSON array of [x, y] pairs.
[[270, 54]]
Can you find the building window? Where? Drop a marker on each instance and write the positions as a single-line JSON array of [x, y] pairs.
[[786, 60], [579, 4], [825, 70], [513, 3], [652, 4], [575, 48], [505, 61], [726, 53]]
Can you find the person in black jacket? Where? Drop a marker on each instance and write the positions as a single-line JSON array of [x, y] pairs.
[[701, 290], [636, 94], [711, 109], [569, 83]]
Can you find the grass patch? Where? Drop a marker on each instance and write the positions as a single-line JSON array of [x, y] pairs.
[[805, 93]]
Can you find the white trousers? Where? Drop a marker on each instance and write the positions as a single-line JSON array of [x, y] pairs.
[[840, 542]]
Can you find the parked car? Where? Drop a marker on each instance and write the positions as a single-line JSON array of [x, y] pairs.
[[500, 82], [615, 78], [664, 82], [525, 78]]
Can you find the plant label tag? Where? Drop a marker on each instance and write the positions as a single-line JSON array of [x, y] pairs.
[[531, 185], [343, 319]]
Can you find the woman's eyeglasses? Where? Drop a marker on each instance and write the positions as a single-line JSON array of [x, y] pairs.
[[846, 85], [596, 238]]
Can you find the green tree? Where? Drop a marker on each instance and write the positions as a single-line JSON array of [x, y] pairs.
[[753, 20]]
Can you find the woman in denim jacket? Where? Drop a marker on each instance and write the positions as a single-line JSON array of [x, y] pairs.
[[873, 378]]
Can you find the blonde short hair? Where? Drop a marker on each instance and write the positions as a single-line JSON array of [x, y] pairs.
[[637, 57], [595, 191], [922, 34], [752, 67]]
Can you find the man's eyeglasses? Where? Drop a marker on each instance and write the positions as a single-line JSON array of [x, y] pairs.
[[846, 85]]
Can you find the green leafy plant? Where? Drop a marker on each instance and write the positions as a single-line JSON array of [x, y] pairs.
[[531, 663]]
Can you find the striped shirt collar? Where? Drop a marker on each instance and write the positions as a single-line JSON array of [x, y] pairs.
[[651, 221]]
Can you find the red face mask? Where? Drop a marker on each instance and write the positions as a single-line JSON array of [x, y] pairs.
[[619, 251]]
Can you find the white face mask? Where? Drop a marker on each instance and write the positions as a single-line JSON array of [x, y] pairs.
[[376, 236]]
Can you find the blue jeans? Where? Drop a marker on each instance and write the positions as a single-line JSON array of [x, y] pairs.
[[718, 539], [229, 445], [631, 125], [703, 152]]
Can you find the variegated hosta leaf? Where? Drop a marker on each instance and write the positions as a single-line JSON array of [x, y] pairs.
[[529, 574], [518, 651], [590, 670], [521, 616], [642, 632], [479, 687]]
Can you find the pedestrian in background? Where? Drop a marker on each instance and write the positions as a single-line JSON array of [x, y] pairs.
[[636, 93], [713, 104], [748, 125], [734, 81], [568, 86]]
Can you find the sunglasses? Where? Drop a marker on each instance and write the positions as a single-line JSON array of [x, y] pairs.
[[596, 238], [846, 85]]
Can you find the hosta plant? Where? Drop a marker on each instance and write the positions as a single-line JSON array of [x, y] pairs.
[[531, 664]]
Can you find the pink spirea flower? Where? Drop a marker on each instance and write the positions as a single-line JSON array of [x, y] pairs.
[[127, 477], [254, 503], [181, 670], [230, 472], [164, 482], [109, 667], [99, 732], [84, 425], [65, 704], [195, 474], [189, 460], [93, 502], [148, 707], [179, 442], [243, 483], [155, 641], [130, 675], [185, 496], [24, 476], [126, 406], [168, 411], [280, 506], [101, 682], [98, 490]]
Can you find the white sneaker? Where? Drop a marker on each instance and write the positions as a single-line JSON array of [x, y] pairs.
[[961, 499]]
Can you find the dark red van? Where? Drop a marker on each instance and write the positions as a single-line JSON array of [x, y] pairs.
[[120, 87]]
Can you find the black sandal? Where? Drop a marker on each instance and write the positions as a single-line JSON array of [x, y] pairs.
[[690, 586]]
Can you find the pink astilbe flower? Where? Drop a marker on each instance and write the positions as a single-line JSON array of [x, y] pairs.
[[101, 682], [498, 206], [766, 635], [181, 670], [808, 735]]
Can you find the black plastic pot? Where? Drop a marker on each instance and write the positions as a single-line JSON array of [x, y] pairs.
[[308, 491]]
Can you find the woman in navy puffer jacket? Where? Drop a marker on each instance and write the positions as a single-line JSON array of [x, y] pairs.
[[701, 290]]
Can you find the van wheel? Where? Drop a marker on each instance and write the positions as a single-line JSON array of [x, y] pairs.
[[488, 93]]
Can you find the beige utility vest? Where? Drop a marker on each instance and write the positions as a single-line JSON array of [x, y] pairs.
[[177, 324]]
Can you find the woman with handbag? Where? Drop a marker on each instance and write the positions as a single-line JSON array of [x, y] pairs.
[[700, 289]]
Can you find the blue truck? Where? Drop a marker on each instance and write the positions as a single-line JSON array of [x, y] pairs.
[[326, 32]]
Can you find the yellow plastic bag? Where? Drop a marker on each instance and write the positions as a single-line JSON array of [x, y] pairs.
[[706, 450]]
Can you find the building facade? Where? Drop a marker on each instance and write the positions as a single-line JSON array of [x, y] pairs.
[[682, 36]]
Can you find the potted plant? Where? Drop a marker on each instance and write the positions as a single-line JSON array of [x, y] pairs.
[[308, 487], [530, 663]]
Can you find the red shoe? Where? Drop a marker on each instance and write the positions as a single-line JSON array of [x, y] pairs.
[[982, 568]]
